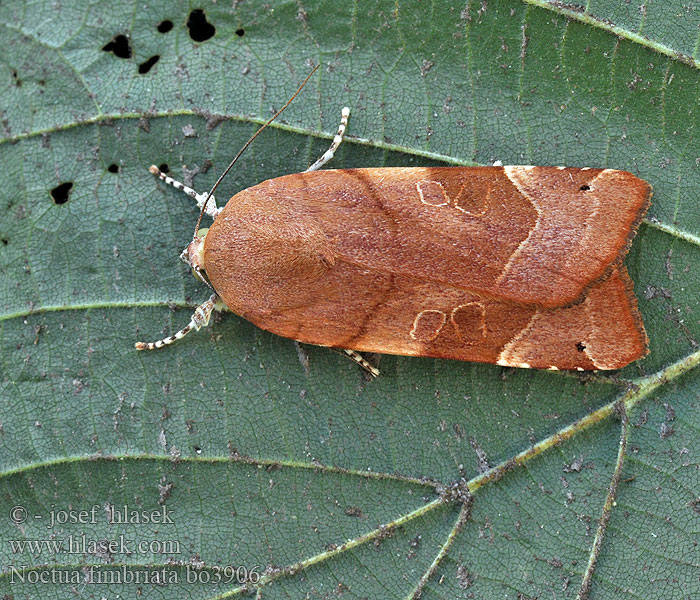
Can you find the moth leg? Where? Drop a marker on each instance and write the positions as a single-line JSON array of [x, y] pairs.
[[303, 356], [360, 360], [199, 319], [328, 154], [212, 211]]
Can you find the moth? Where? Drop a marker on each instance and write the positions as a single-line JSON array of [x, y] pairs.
[[519, 266]]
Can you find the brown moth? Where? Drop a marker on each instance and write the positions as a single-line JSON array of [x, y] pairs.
[[517, 265]]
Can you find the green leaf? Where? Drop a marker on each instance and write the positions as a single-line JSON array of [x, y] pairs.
[[269, 479]]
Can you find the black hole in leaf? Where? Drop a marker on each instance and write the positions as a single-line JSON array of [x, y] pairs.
[[145, 67], [120, 46], [113, 168], [61, 192], [200, 29], [164, 168], [5, 241], [240, 32], [580, 346], [165, 26], [15, 76], [585, 188]]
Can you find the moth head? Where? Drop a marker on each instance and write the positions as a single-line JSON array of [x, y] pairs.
[[193, 255]]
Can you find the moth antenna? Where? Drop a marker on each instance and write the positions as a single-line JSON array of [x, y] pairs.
[[235, 158]]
